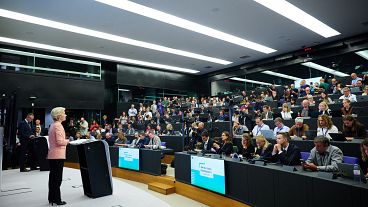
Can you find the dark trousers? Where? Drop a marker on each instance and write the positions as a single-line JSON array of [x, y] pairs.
[[26, 146], [55, 178]]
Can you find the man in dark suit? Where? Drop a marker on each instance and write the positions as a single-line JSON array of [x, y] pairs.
[[285, 152], [207, 143], [26, 134]]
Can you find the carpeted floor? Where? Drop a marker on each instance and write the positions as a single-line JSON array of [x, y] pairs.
[[34, 191]]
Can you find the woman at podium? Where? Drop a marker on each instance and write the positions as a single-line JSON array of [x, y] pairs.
[[56, 155]]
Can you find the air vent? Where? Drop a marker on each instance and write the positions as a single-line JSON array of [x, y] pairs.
[[245, 56], [208, 67]]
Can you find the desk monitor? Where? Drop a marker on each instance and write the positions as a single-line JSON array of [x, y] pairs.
[[311, 134], [268, 134], [208, 173], [347, 171], [337, 137], [129, 158]]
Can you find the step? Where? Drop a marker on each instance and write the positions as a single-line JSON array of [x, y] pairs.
[[161, 188]]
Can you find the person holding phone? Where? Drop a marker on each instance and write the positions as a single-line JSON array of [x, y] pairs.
[[323, 157]]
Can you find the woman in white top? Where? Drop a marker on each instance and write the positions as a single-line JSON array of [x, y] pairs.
[[123, 119], [286, 112], [325, 126]]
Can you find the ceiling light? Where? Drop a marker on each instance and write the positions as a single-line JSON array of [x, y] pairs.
[[106, 36], [324, 69], [363, 54], [124, 90], [94, 55], [280, 75], [252, 81], [186, 24], [299, 16]]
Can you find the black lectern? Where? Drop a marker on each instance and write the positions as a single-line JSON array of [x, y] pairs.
[[95, 167]]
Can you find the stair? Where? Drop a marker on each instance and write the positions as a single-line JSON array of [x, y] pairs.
[[165, 189]]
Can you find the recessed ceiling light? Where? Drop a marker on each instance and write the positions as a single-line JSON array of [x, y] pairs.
[[363, 54], [106, 36], [324, 69], [186, 24], [251, 81], [280, 75], [299, 16], [94, 55], [124, 90]]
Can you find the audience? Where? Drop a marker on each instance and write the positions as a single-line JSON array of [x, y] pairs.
[[323, 109], [226, 145], [284, 152], [348, 95], [325, 126], [154, 140], [259, 126], [264, 148], [286, 112], [239, 129], [267, 113], [307, 111], [299, 129], [363, 161], [347, 109], [279, 126], [247, 150], [353, 128], [323, 157]]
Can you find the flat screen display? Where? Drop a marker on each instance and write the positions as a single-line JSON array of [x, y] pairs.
[[129, 158], [208, 173]]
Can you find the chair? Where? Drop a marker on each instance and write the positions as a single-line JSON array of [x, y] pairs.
[[350, 160], [304, 155], [163, 144]]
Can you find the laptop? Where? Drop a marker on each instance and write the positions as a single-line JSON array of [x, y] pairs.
[[311, 134], [347, 171], [339, 101], [268, 134], [337, 137], [362, 98]]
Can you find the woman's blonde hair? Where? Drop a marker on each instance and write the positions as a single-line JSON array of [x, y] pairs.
[[262, 139], [169, 127], [324, 103], [285, 105], [57, 112]]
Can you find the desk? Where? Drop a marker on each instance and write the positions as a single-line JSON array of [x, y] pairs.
[[348, 148], [173, 142], [149, 160], [271, 186]]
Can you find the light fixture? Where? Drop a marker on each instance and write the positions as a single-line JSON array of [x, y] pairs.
[[251, 81], [186, 24], [363, 54], [106, 36], [299, 16], [280, 75], [94, 55], [324, 69], [124, 90]]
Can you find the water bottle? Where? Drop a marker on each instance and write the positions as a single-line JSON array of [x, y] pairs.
[[356, 173]]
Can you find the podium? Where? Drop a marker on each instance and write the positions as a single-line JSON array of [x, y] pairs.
[[95, 167], [41, 148]]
